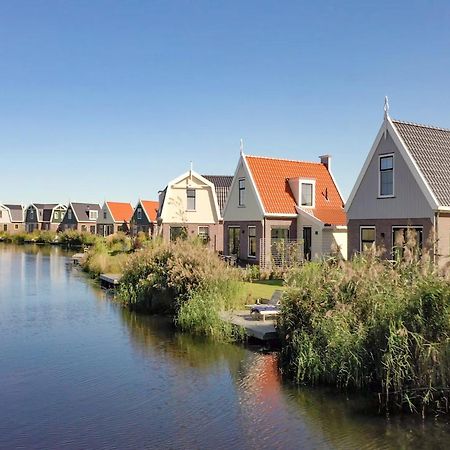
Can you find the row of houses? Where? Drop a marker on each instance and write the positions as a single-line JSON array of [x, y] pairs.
[[271, 205]]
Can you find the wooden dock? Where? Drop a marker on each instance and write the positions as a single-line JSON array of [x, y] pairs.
[[262, 330], [110, 280], [76, 259]]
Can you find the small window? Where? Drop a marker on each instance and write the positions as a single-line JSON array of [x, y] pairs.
[[190, 199], [83, 228], [56, 215], [93, 215], [16, 226], [104, 214], [307, 194], [252, 242], [139, 213], [5, 227], [242, 192], [203, 233], [69, 214], [368, 236], [386, 176], [31, 213], [92, 229]]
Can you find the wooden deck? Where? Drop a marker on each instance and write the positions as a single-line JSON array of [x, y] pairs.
[[110, 280], [262, 330]]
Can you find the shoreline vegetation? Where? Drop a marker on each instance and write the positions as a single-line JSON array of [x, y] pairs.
[[368, 325]]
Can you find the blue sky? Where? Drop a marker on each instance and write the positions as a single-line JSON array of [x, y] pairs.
[[112, 99]]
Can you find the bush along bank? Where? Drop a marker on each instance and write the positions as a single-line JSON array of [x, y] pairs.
[[184, 279], [69, 238], [373, 326]]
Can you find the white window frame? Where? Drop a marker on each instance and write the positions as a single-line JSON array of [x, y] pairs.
[[194, 197], [139, 213], [203, 235], [241, 200], [385, 155], [93, 214], [366, 227], [248, 242], [69, 214], [313, 183], [404, 227]]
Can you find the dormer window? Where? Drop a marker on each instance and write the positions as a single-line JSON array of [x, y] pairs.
[[93, 215], [242, 192], [307, 193], [139, 213], [386, 176], [190, 193]]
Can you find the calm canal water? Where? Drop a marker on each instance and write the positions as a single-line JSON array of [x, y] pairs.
[[77, 372]]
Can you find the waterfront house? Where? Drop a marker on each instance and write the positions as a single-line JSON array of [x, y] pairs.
[[191, 205], [404, 182], [144, 217], [44, 216], [279, 208], [114, 217], [12, 218], [81, 217]]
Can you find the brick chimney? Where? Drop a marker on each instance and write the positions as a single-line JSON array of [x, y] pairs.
[[326, 161]]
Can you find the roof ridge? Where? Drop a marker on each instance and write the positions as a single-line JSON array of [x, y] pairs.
[[285, 159], [432, 127]]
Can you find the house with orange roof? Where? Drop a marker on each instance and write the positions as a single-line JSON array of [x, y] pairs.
[[275, 204], [144, 217], [191, 205], [114, 217]]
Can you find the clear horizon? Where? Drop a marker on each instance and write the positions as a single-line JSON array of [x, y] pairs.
[[111, 100]]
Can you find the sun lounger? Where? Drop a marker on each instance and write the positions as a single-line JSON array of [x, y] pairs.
[[269, 309]]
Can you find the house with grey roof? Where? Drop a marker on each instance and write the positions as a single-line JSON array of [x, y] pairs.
[[81, 217], [192, 205], [44, 216], [404, 185], [12, 218]]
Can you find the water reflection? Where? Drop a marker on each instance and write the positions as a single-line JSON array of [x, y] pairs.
[[78, 371]]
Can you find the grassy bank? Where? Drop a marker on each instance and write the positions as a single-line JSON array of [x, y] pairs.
[[184, 279], [69, 238], [373, 326]]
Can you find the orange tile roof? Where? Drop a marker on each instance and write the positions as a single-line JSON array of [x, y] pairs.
[[121, 212], [271, 177], [151, 209]]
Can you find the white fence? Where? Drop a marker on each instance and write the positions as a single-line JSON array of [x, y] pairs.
[[280, 252]]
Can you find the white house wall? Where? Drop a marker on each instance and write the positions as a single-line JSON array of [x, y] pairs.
[[251, 211], [336, 237], [409, 200], [175, 203]]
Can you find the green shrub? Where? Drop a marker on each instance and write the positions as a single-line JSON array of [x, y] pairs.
[[371, 325]]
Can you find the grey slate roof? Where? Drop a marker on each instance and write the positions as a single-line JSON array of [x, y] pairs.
[[17, 212], [82, 210], [45, 211], [430, 148], [222, 183]]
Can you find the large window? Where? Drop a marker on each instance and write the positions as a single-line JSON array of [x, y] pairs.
[[279, 233], [386, 176], [242, 192], [190, 199], [252, 242], [368, 238], [406, 237], [307, 194], [177, 233], [233, 240]]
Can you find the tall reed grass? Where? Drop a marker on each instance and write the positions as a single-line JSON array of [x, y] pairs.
[[371, 325]]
